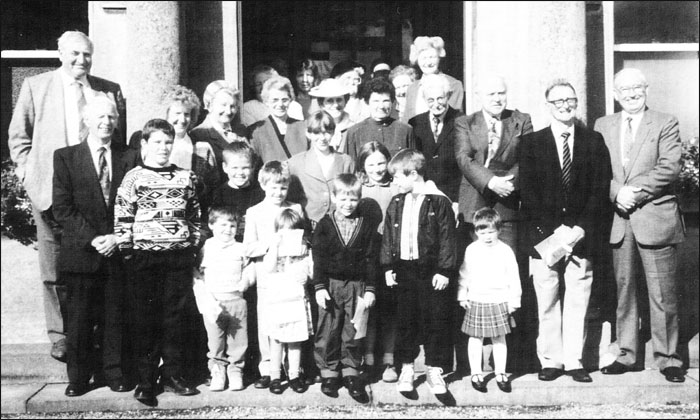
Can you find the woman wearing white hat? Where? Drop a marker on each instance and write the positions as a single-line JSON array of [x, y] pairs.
[[332, 95]]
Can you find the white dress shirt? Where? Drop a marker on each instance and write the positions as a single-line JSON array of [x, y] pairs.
[[70, 105], [636, 120], [557, 129], [94, 144]]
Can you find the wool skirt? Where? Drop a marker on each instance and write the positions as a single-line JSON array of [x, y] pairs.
[[486, 320]]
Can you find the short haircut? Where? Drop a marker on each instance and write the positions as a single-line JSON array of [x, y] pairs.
[[487, 218], [368, 149], [408, 160], [289, 219], [220, 212], [402, 69], [274, 171], [378, 85], [239, 148], [276, 83], [72, 35], [630, 71], [304, 65], [436, 81], [186, 97], [217, 86], [422, 43], [348, 184], [260, 69], [320, 121], [100, 99], [157, 124], [558, 82]]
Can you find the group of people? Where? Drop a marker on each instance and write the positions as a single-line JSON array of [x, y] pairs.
[[275, 229]]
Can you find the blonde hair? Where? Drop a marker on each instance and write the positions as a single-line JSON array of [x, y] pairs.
[[423, 43], [274, 171]]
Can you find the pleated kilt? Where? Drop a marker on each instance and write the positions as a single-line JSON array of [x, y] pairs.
[[486, 320]]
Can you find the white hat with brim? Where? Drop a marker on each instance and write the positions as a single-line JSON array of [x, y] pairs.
[[329, 88]]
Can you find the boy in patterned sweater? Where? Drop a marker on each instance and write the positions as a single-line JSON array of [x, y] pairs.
[[157, 221]]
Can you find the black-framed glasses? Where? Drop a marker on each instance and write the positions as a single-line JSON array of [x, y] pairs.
[[560, 102]]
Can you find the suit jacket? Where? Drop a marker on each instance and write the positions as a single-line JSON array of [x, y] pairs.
[[544, 204], [205, 132], [264, 140], [38, 128], [392, 133], [472, 149], [441, 165], [309, 187], [456, 98], [654, 165], [79, 206]]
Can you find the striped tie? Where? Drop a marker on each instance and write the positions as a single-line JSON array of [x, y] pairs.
[[82, 103], [103, 175], [566, 164]]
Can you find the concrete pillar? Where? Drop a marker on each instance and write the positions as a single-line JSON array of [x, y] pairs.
[[530, 44], [153, 60]]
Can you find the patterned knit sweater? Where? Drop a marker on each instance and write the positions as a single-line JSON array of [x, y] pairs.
[[156, 210]]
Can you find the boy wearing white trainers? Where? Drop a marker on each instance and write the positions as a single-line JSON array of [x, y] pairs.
[[226, 274], [418, 258]]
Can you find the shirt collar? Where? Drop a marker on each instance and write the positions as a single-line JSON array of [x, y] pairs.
[[488, 117], [558, 128], [94, 144], [68, 80], [635, 117]]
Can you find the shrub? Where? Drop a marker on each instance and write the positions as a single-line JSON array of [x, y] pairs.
[[16, 220]]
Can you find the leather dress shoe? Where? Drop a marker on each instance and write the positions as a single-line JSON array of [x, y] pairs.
[[145, 394], [616, 368], [504, 383], [478, 383], [297, 385], [76, 390], [354, 386], [263, 382], [58, 350], [276, 386], [580, 375], [120, 385], [673, 374], [549, 374], [329, 386], [178, 386]]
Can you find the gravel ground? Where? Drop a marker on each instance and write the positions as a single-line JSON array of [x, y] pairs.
[[571, 411]]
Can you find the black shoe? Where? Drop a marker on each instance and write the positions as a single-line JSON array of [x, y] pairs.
[[145, 394], [478, 383], [329, 386], [354, 385], [120, 385], [616, 368], [76, 390], [297, 385], [580, 375], [503, 383], [549, 374], [263, 382], [178, 386], [58, 350], [673, 374], [276, 386]]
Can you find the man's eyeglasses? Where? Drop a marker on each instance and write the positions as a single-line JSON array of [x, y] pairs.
[[626, 90], [560, 102]]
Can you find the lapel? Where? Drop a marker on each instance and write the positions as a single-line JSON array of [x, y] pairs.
[[215, 138], [579, 159], [447, 125], [614, 141], [509, 126], [87, 166], [119, 169], [641, 137], [481, 130], [312, 167], [55, 100], [551, 154]]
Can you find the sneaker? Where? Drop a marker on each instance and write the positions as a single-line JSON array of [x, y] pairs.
[[390, 375], [218, 378], [235, 381], [406, 379], [435, 382]]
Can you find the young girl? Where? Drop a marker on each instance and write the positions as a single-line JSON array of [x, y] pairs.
[[287, 268], [489, 290], [376, 184]]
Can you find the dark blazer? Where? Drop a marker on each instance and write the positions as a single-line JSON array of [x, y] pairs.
[[544, 205], [456, 100], [471, 150], [264, 140], [440, 162], [78, 204], [206, 133]]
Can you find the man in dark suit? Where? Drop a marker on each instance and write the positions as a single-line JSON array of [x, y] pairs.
[[48, 116], [564, 180], [645, 150], [85, 181]]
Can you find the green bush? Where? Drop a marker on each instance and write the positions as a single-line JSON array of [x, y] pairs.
[[16, 220]]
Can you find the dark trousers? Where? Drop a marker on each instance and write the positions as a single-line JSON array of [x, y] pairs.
[[160, 282], [423, 316], [96, 323]]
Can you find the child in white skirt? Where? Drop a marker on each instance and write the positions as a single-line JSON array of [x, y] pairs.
[[489, 289]]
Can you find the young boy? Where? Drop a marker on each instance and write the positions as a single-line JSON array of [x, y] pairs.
[[345, 253], [156, 221], [418, 258], [222, 269], [260, 228]]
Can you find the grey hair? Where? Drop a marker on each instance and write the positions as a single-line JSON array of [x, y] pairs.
[[70, 35], [277, 82]]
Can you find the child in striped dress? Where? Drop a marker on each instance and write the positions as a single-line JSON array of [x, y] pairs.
[[489, 290]]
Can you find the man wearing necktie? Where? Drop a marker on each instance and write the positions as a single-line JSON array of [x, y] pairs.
[[645, 150], [48, 116], [564, 180], [486, 150], [85, 181]]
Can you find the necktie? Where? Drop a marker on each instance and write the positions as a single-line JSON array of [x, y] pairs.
[[103, 174], [494, 141], [627, 141], [566, 164], [80, 97], [436, 126]]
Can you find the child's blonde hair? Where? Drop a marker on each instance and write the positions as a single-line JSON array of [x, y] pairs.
[[347, 184], [487, 218], [408, 160], [274, 171], [289, 219], [222, 212]]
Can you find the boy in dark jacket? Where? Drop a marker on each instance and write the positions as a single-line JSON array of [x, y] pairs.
[[418, 258], [345, 265]]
